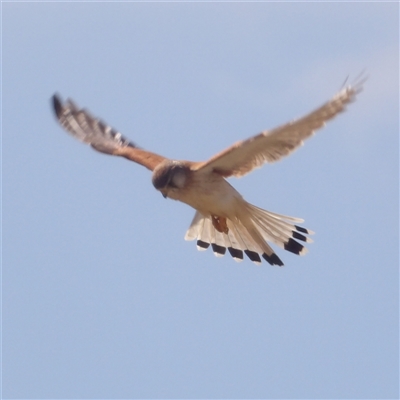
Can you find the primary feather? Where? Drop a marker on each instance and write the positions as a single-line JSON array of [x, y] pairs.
[[270, 146], [223, 219]]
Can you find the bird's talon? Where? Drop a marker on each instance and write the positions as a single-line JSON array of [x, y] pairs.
[[220, 224]]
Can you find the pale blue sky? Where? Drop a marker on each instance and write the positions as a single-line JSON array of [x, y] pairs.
[[102, 297]]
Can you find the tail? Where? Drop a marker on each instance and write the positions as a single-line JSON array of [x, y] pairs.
[[249, 235]]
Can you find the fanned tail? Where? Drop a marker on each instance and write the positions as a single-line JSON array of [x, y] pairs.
[[249, 235], [281, 230]]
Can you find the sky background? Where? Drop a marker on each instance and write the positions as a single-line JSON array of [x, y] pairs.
[[102, 297]]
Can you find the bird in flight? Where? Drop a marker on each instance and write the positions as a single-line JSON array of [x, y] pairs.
[[223, 219]]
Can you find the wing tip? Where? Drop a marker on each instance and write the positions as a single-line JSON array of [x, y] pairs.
[[57, 104]]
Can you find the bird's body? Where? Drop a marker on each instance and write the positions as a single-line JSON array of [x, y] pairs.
[[208, 193], [223, 218]]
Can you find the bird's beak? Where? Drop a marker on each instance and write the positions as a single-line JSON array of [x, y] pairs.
[[164, 195]]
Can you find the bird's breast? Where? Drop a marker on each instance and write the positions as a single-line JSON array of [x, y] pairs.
[[210, 194]]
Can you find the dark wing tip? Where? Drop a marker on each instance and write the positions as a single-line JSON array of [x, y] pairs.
[[57, 106]]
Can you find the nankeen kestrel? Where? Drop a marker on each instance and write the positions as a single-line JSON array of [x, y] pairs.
[[223, 218]]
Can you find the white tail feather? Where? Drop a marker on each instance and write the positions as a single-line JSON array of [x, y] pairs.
[[250, 234]]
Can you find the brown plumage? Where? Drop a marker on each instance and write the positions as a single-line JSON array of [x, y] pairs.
[[223, 218]]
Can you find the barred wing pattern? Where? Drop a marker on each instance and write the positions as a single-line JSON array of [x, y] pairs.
[[248, 228], [103, 138], [271, 146]]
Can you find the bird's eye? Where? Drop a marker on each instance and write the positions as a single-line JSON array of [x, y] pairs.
[[169, 175], [161, 180]]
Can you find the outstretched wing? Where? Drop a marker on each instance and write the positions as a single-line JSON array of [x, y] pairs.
[[271, 146], [80, 124]]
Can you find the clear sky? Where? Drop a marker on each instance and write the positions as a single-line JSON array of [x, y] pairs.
[[102, 297]]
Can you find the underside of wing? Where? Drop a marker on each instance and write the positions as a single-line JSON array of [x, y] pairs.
[[103, 138], [271, 146]]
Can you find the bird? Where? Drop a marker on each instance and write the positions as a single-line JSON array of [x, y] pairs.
[[223, 219]]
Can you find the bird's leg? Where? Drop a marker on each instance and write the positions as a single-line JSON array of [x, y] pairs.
[[219, 224]]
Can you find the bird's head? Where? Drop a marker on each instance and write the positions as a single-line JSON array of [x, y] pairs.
[[170, 175]]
